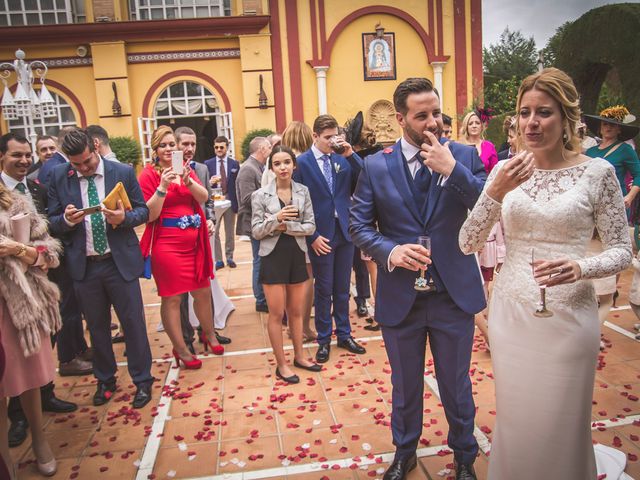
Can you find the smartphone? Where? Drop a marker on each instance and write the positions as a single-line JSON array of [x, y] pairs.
[[177, 161], [91, 210]]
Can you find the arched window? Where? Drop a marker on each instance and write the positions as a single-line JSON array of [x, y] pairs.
[[47, 126], [186, 99]]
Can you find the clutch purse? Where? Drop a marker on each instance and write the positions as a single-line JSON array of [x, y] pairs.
[[118, 193]]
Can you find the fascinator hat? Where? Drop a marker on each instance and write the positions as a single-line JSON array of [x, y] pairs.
[[616, 115]]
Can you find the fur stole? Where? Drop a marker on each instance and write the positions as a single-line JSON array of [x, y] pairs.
[[32, 299]]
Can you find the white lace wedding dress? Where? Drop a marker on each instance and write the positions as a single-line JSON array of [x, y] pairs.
[[545, 367]]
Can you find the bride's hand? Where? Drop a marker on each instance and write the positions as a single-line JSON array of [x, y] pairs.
[[556, 272], [512, 174]]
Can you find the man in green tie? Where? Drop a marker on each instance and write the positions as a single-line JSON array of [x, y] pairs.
[[103, 256]]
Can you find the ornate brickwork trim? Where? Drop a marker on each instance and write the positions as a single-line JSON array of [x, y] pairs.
[[183, 55]]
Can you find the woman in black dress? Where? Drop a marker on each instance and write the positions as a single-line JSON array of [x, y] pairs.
[[282, 217]]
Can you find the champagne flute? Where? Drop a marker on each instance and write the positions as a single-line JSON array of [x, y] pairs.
[[541, 308], [421, 283]]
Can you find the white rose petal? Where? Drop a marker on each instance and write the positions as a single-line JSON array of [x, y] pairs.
[[171, 473], [305, 446], [224, 464], [366, 447], [242, 464], [182, 446], [444, 472], [333, 440], [364, 410], [317, 422], [235, 461], [191, 457], [379, 471]]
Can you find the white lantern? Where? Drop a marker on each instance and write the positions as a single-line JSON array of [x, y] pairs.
[[47, 103], [7, 105]]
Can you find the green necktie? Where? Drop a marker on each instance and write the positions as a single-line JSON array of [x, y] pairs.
[[97, 222], [21, 188]]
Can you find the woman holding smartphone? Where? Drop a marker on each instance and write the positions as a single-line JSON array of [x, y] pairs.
[[176, 237], [282, 217]]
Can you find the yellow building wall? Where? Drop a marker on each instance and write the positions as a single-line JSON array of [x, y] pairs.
[[346, 75]]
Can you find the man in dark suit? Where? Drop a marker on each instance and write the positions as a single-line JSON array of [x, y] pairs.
[[223, 171], [420, 187], [330, 178], [16, 160], [187, 143], [103, 256]]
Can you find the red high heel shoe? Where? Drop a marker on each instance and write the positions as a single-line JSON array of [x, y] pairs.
[[193, 364], [215, 349]]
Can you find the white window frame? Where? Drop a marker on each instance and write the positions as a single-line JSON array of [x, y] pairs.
[[7, 14], [146, 125], [181, 8], [40, 125]]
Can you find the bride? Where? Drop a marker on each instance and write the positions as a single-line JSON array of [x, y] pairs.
[[544, 353]]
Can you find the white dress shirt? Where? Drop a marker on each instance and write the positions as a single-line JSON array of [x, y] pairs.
[[318, 155], [11, 183], [84, 191]]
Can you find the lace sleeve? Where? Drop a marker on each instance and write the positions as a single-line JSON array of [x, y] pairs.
[[611, 221], [477, 227]]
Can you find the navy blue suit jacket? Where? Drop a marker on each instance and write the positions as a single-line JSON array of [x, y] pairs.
[[345, 176], [384, 214], [232, 172], [64, 189], [45, 171]]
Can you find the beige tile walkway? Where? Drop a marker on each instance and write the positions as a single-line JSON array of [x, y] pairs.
[[233, 417]]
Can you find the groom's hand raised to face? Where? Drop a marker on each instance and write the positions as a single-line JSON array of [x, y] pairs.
[[410, 256], [436, 156]]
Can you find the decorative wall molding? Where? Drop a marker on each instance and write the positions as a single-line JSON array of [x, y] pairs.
[[183, 55], [64, 62]]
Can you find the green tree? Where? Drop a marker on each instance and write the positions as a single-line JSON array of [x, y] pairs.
[[251, 134], [501, 95], [126, 149], [513, 56], [554, 45]]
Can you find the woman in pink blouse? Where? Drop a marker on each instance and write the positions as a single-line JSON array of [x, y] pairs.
[[471, 133]]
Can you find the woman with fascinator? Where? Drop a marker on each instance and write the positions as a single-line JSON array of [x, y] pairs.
[[614, 126], [177, 240]]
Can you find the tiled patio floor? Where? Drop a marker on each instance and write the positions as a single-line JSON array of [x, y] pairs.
[[233, 419]]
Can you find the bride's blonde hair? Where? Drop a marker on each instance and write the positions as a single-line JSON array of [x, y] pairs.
[[559, 86]]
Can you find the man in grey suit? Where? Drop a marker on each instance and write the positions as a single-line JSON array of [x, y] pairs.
[[187, 141], [247, 182]]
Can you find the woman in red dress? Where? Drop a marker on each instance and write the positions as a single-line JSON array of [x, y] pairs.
[[176, 237]]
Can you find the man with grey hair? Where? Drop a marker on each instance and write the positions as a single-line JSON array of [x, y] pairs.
[[56, 159], [248, 181], [100, 139]]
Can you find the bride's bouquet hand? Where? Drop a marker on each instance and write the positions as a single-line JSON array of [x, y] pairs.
[[563, 271], [511, 175]]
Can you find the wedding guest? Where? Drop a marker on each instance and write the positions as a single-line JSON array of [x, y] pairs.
[[544, 402], [282, 216], [298, 136], [102, 255], [15, 160], [472, 133], [611, 126], [248, 181], [177, 240], [447, 128], [223, 171], [29, 314], [100, 139], [509, 129], [331, 178], [46, 147]]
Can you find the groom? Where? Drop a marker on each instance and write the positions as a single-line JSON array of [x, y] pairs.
[[420, 187]]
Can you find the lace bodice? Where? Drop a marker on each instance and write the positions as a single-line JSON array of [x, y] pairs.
[[554, 213]]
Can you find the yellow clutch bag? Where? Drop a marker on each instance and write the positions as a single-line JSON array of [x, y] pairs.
[[118, 193]]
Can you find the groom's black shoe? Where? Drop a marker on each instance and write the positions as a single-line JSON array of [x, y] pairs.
[[399, 469], [465, 472]]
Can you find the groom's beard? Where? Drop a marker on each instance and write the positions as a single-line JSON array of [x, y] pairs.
[[419, 138]]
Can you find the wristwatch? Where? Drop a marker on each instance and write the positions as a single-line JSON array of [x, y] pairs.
[[22, 251]]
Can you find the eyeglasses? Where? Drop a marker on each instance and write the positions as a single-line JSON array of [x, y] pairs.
[[219, 148], [165, 145]]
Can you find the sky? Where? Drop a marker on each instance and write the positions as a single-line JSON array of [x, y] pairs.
[[534, 18]]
